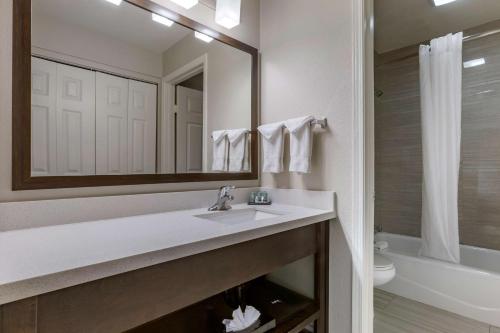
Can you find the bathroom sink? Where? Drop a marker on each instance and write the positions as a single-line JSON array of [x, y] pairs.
[[236, 216]]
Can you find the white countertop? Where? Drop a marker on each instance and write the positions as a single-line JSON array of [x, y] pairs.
[[39, 260]]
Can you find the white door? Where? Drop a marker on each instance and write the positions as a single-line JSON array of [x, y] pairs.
[[142, 110], [111, 124], [189, 130], [75, 121], [43, 117]]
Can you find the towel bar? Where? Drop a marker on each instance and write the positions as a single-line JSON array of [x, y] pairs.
[[247, 132], [321, 122]]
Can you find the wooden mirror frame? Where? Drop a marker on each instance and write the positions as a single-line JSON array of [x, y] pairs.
[[21, 111]]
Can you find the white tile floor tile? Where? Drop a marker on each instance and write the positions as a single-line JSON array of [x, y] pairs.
[[387, 323], [397, 314]]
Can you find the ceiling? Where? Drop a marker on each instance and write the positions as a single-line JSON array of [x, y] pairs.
[[400, 23], [126, 22]]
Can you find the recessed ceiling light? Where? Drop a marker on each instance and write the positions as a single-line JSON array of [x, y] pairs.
[[162, 20], [474, 63], [203, 37], [186, 3], [115, 2], [442, 2]]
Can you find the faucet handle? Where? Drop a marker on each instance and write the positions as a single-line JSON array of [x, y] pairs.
[[224, 190]]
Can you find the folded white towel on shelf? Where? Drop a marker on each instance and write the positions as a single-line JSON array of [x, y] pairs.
[[238, 150], [272, 147], [242, 319], [301, 140], [220, 150]]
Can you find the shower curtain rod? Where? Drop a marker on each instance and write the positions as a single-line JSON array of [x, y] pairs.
[[480, 35], [464, 39]]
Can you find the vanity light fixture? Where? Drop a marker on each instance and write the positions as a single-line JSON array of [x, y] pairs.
[[442, 2], [185, 3], [203, 37], [227, 13], [474, 63], [115, 2], [162, 20]]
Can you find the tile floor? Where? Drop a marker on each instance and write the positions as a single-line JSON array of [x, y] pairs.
[[395, 314]]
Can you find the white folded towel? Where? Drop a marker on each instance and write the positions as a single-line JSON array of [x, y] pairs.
[[300, 143], [272, 147], [242, 319], [238, 150], [220, 150]]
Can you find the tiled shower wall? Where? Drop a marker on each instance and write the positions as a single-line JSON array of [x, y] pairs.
[[398, 147]]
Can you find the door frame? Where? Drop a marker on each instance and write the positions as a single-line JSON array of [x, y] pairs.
[[363, 168], [168, 109]]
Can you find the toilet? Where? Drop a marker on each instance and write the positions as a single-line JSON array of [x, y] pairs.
[[383, 270]]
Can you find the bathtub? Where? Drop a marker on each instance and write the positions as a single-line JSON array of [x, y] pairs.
[[471, 289]]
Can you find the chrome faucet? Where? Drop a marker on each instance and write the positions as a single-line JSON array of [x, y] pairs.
[[223, 199]]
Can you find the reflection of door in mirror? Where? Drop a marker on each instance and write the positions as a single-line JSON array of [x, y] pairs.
[[189, 125], [111, 124], [125, 125], [86, 122], [63, 117], [142, 128]]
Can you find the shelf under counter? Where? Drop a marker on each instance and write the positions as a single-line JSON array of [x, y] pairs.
[[291, 311]]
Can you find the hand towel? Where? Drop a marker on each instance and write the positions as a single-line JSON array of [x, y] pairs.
[[220, 151], [300, 143], [238, 150], [272, 147], [242, 319]]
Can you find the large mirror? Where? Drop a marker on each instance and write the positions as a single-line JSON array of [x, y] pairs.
[[129, 88]]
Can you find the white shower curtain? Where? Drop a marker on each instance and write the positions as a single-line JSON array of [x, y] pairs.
[[441, 103]]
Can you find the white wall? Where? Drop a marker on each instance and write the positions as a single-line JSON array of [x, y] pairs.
[[229, 82], [249, 28], [74, 44], [307, 68]]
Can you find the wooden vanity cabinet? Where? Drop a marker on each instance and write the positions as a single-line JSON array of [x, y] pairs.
[[129, 300]]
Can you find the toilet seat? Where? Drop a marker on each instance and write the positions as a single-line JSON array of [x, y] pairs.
[[383, 270], [381, 263]]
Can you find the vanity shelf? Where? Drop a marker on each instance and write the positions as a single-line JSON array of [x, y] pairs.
[[292, 311], [123, 302]]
